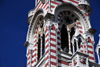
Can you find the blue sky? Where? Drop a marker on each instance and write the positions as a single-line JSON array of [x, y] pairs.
[[13, 30]]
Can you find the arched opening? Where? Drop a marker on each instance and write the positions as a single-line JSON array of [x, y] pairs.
[[43, 44], [79, 42], [64, 39], [39, 46], [41, 36], [36, 19], [75, 46]]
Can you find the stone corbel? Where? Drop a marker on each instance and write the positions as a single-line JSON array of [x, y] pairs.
[[91, 31], [26, 44]]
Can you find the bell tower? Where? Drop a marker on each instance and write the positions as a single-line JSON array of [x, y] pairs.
[[60, 34]]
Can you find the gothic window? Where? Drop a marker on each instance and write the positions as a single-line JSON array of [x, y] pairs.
[[68, 19], [41, 37], [39, 46], [64, 39]]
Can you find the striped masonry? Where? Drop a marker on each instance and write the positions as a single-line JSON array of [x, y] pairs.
[[42, 6], [54, 4], [47, 51], [91, 50], [53, 49], [69, 42], [80, 27], [62, 63], [34, 54], [28, 59], [83, 46]]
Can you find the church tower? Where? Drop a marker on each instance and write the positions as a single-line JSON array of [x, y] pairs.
[[60, 34]]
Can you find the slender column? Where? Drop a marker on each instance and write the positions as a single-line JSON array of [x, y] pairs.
[[69, 42], [73, 47], [86, 47], [77, 44]]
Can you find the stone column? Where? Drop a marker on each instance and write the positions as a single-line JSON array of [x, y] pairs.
[[69, 42], [73, 47], [77, 44]]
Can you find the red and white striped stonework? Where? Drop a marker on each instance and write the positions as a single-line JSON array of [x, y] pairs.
[[28, 58], [91, 50], [47, 49], [83, 46], [34, 54], [42, 6], [53, 4], [59, 37], [80, 27], [62, 63], [53, 45], [69, 42]]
